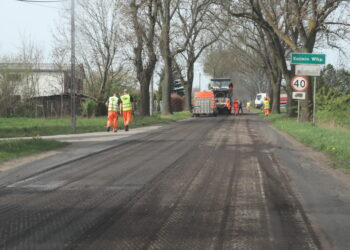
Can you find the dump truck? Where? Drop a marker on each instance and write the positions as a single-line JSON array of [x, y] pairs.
[[223, 90], [204, 104]]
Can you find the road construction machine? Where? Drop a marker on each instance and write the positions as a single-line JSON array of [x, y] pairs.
[[223, 90]]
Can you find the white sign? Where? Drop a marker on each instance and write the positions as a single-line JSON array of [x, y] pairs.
[[299, 95], [308, 69], [300, 83]]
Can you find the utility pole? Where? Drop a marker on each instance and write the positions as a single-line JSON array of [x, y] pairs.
[[151, 99], [200, 85], [73, 84]]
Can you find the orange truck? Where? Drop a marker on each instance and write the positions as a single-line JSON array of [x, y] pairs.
[[204, 104]]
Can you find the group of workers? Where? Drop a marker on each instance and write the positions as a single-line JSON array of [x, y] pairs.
[[123, 105], [237, 106]]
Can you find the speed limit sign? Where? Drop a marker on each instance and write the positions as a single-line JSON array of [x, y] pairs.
[[300, 83]]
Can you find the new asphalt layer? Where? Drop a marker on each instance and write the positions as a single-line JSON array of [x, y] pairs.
[[204, 183]]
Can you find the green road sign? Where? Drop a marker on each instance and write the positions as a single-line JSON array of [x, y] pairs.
[[306, 58]]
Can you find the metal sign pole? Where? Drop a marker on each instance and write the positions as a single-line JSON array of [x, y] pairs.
[[314, 106], [298, 110]]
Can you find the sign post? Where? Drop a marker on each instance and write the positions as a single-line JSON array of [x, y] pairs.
[[307, 64], [314, 111], [300, 85]]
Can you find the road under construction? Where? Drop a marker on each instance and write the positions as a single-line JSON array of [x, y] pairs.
[[204, 183]]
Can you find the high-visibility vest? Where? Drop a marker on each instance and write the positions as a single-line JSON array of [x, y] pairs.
[[248, 104], [266, 104], [126, 102], [113, 104]]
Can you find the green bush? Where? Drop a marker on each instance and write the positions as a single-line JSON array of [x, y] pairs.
[[333, 106], [89, 108]]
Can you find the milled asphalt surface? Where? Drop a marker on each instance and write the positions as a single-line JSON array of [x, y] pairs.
[[204, 183], [83, 145]]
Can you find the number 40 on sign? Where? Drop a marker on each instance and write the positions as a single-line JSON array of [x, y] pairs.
[[300, 83]]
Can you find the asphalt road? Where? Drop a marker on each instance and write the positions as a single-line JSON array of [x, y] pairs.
[[206, 183]]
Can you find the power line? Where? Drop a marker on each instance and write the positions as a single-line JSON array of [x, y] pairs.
[[42, 1], [37, 3]]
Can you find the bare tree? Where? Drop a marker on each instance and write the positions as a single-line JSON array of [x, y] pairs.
[[19, 80], [199, 26], [167, 9], [99, 44], [297, 24], [144, 18]]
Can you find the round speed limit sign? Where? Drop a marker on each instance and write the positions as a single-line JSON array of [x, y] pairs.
[[300, 83]]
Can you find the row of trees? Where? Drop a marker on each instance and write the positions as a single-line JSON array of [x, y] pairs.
[[121, 43], [271, 30], [154, 38]]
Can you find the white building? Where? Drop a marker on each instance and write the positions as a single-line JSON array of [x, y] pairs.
[[40, 80]]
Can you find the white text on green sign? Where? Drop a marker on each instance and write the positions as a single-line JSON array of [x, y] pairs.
[[305, 58]]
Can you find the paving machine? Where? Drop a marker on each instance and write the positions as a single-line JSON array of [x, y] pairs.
[[223, 90]]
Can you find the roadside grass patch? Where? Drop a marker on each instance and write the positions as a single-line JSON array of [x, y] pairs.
[[335, 142], [31, 127], [10, 149]]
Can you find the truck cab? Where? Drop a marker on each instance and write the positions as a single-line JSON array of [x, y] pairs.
[[259, 100]]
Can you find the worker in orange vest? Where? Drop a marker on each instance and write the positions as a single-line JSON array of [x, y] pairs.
[[235, 106], [267, 106], [113, 110], [126, 107]]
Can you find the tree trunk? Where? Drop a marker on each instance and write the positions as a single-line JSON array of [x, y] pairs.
[[144, 99], [291, 104], [188, 96], [306, 106], [166, 84], [188, 85], [276, 93], [166, 55]]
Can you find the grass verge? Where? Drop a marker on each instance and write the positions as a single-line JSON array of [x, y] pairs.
[[20, 127], [10, 149], [335, 142]]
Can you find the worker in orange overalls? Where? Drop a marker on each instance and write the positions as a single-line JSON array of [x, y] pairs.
[[113, 111], [235, 106], [126, 107], [267, 106], [228, 105]]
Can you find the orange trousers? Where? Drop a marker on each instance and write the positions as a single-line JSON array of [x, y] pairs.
[[235, 109], [127, 115], [112, 119], [267, 112]]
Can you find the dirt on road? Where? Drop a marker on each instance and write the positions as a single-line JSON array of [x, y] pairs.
[[207, 183]]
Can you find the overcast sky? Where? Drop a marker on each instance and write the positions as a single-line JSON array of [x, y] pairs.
[[30, 20], [36, 21]]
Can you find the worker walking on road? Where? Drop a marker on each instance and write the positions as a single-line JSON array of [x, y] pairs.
[[228, 105], [113, 111], [240, 107], [248, 106], [267, 106], [126, 107], [235, 106]]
